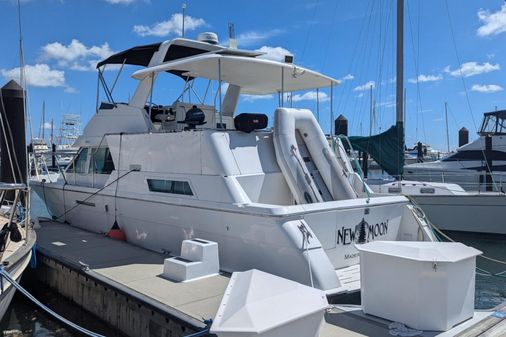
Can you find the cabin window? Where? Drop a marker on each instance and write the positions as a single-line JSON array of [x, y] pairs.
[[79, 163], [169, 186], [101, 161]]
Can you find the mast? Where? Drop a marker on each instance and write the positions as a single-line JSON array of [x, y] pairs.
[[370, 111], [447, 133], [400, 63], [43, 117], [399, 90]]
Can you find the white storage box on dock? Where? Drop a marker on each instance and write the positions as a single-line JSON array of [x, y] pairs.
[[258, 304], [199, 258], [425, 285]]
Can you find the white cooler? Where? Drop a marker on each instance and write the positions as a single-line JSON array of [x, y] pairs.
[[425, 285]]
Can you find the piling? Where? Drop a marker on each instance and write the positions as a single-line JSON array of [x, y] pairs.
[[341, 126], [12, 135], [419, 152], [488, 159], [463, 136]]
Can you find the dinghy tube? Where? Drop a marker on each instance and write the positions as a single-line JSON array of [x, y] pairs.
[[287, 122]]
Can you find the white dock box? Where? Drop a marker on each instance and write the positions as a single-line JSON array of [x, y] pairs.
[[258, 304], [425, 285]]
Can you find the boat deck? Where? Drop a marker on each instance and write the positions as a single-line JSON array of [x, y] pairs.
[[123, 266]]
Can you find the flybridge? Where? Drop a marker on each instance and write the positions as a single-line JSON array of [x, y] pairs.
[[242, 72], [191, 59]]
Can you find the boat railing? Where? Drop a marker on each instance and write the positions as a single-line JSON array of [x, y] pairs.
[[15, 205], [469, 181]]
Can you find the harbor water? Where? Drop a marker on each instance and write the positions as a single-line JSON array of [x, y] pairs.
[[25, 319]]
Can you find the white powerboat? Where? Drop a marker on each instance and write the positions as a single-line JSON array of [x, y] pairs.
[[279, 200], [468, 166], [450, 207]]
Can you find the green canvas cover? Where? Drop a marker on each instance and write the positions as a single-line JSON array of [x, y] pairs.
[[386, 148]]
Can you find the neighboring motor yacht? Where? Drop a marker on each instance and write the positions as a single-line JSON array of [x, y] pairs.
[[468, 166], [277, 199]]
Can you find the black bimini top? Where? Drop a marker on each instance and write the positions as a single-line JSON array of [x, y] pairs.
[[139, 56]]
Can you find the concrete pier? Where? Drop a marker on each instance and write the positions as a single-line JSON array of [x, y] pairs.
[[121, 284]]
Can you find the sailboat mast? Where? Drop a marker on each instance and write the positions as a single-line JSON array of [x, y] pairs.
[[400, 63], [43, 118], [370, 111], [447, 133]]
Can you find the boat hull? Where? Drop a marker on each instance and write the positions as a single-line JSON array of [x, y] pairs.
[[480, 212], [264, 237], [15, 266]]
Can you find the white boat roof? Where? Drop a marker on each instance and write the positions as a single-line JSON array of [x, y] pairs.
[[255, 76]]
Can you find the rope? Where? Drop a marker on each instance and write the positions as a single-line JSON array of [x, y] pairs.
[[93, 194], [438, 232], [7, 276]]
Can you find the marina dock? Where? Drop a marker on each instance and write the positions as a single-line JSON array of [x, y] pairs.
[[121, 284]]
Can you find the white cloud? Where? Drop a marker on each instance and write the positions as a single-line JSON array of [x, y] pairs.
[[70, 90], [171, 26], [47, 125], [493, 23], [347, 77], [274, 53], [76, 55], [366, 86], [486, 88], [310, 96], [252, 98], [256, 37], [472, 68], [425, 78], [38, 75]]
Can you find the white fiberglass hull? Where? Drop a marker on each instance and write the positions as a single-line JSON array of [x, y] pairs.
[[252, 236], [479, 212], [18, 264]]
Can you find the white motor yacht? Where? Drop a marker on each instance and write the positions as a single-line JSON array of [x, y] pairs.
[[468, 166], [276, 199], [450, 207]]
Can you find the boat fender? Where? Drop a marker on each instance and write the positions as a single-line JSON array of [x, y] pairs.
[[116, 232], [15, 234]]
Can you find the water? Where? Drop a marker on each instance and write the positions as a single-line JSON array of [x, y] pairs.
[[24, 316]]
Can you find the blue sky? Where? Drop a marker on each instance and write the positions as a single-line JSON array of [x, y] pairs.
[[348, 40]]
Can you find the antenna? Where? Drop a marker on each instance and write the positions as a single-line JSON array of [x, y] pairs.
[[232, 42], [183, 8]]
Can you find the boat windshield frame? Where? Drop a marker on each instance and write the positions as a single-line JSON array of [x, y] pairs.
[[493, 123]]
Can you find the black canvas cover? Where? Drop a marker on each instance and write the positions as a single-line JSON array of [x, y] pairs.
[[139, 56]]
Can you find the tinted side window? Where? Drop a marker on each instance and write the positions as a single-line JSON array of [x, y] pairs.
[[101, 161], [79, 163], [170, 186]]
